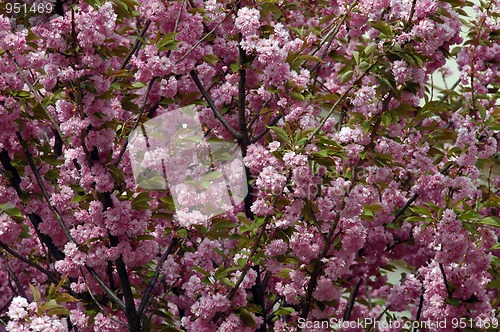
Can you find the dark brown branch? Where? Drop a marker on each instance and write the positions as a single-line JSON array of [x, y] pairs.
[[108, 291], [214, 108], [242, 120], [137, 44], [412, 199], [419, 310], [41, 184], [208, 33], [11, 173], [141, 112], [265, 131], [17, 282], [146, 297], [48, 273], [410, 17], [133, 320], [445, 280], [352, 299]]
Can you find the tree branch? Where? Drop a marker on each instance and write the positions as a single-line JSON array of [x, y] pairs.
[[146, 297], [214, 108], [48, 273], [41, 184], [36, 95], [306, 302], [352, 299], [141, 112]]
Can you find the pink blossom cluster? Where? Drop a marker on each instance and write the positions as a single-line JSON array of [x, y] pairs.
[[359, 167]]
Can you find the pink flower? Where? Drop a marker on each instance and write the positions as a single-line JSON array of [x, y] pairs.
[[247, 21]]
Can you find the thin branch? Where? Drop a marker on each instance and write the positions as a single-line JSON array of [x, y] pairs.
[[330, 37], [264, 132], [15, 181], [133, 320], [41, 184], [48, 273], [445, 280], [242, 120], [410, 17], [412, 199], [36, 95], [141, 112], [214, 108], [137, 44], [352, 299], [419, 310], [108, 291], [17, 282], [208, 33], [146, 297], [102, 309], [337, 103]]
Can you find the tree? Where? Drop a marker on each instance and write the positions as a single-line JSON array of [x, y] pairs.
[[355, 162]]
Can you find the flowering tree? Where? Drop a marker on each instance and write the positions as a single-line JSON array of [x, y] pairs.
[[355, 161]]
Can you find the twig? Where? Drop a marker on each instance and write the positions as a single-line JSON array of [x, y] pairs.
[[412, 199], [419, 311], [410, 17], [330, 37], [133, 320], [41, 184], [17, 282], [100, 307], [48, 273], [108, 291], [265, 130], [208, 33], [352, 299], [445, 280], [242, 120], [36, 95], [337, 103], [145, 298], [35, 219], [141, 112], [137, 44], [214, 108]]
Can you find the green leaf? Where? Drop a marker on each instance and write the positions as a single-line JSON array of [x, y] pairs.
[[492, 221], [247, 318], [65, 297], [211, 59], [482, 111], [141, 201], [138, 85], [281, 134], [284, 273], [284, 311], [346, 76], [36, 294], [421, 210], [382, 27], [59, 311]]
